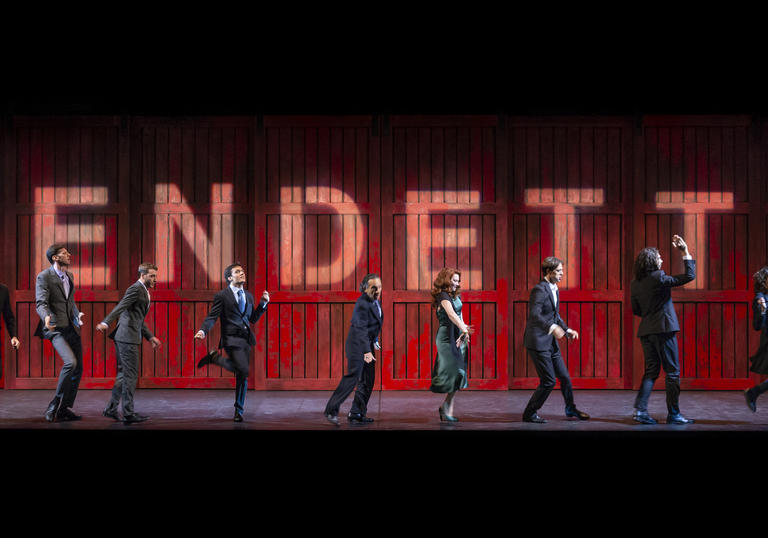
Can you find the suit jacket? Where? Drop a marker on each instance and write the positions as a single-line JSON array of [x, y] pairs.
[[5, 306], [130, 313], [542, 313], [760, 323], [651, 299], [234, 324], [51, 301], [364, 327]]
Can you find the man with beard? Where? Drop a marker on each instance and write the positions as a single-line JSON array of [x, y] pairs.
[[130, 313], [362, 340], [542, 331], [60, 323]]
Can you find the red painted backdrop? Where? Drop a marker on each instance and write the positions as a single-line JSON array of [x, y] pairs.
[[311, 204]]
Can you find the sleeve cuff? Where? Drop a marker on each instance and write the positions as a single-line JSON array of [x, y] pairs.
[[688, 257]]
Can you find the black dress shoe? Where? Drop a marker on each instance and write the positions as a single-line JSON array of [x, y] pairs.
[[643, 418], [534, 418], [111, 414], [50, 413], [573, 412], [358, 417], [333, 419], [678, 419], [131, 419], [238, 417], [66, 414], [208, 358], [751, 400]]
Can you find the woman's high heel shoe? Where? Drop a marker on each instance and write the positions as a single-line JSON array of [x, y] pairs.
[[444, 417]]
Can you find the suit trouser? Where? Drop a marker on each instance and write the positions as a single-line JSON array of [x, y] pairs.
[[69, 347], [237, 362], [127, 377], [549, 366], [660, 351], [759, 389], [360, 377]]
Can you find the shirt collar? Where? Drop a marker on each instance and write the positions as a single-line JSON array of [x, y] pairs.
[[235, 289], [60, 273]]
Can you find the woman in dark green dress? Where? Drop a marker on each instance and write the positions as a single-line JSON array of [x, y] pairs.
[[759, 323], [449, 373]]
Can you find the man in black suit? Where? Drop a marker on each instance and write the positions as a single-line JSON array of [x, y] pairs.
[[362, 341], [651, 298], [235, 307], [130, 313], [60, 322], [542, 330], [10, 320]]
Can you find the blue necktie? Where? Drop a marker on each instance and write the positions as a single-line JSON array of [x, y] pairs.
[[241, 301]]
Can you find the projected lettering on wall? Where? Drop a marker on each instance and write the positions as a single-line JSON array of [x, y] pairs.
[[571, 197], [297, 269], [84, 235]]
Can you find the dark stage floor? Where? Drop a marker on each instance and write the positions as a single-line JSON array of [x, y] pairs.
[[285, 440], [714, 411]]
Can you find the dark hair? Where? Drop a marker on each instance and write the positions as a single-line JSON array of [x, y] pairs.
[[145, 267], [443, 283], [549, 264], [647, 262], [366, 278], [228, 270], [53, 250], [760, 279]]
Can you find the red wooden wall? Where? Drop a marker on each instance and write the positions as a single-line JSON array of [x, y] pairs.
[[309, 204]]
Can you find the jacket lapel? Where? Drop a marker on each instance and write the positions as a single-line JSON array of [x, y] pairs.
[[548, 290], [60, 284]]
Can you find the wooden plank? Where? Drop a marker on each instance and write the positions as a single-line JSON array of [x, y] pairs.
[[423, 164], [489, 341], [298, 337], [285, 336], [311, 338], [338, 333], [323, 341], [399, 359], [273, 341], [614, 341], [425, 342], [488, 165]]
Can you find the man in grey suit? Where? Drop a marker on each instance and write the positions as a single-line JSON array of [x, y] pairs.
[[60, 322], [130, 313]]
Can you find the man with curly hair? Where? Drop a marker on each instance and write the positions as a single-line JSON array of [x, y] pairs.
[[651, 298]]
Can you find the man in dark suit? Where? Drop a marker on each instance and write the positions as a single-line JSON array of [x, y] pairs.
[[235, 307], [362, 341], [130, 313], [10, 320], [60, 322], [651, 298], [542, 330]]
